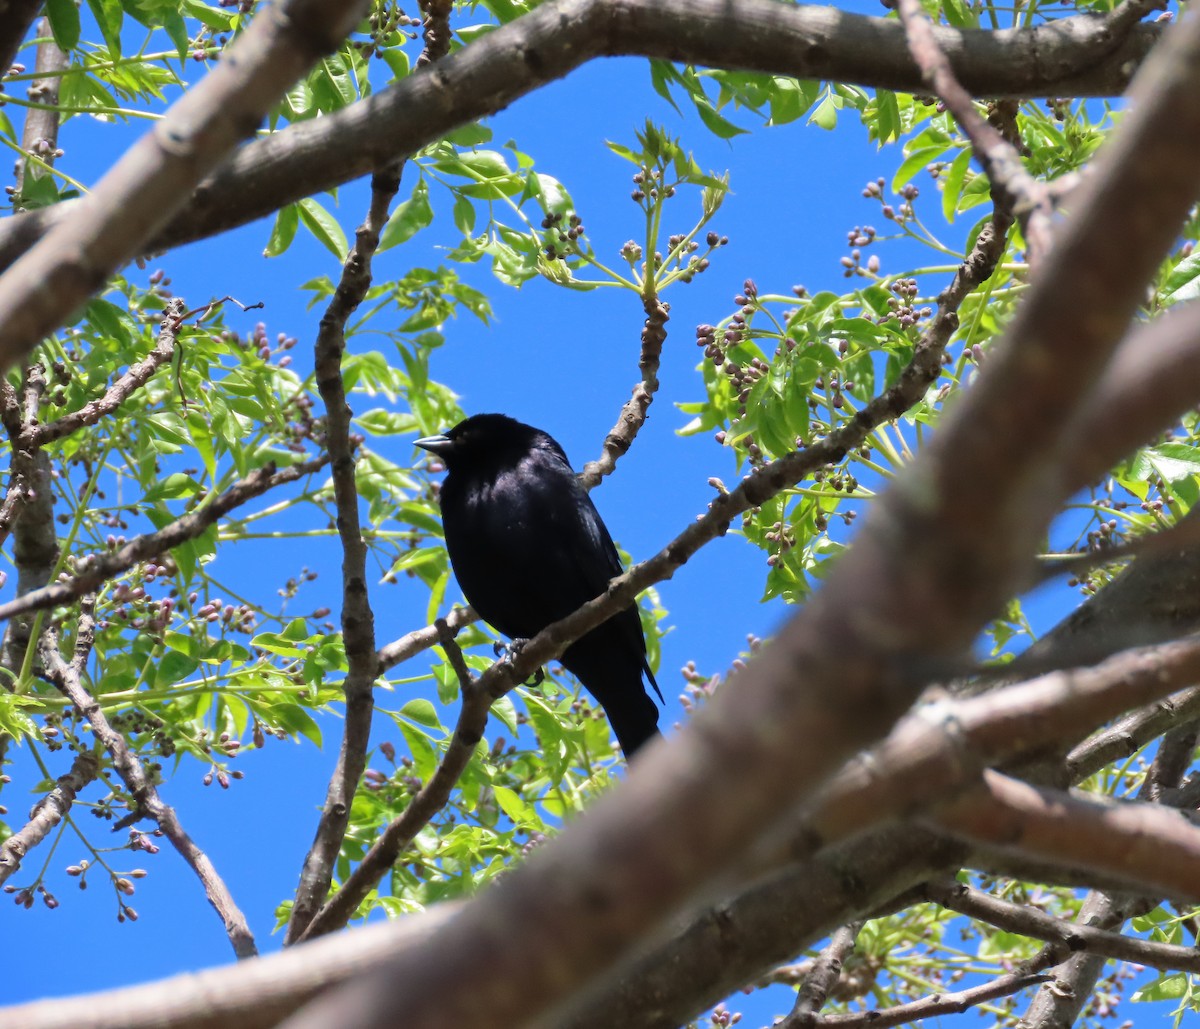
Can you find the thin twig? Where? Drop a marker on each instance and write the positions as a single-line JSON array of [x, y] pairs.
[[94, 569], [48, 812], [1029, 199], [124, 387], [454, 654], [412, 643], [633, 415], [145, 795], [1068, 936], [937, 1003]]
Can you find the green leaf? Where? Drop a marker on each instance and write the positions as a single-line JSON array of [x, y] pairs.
[[464, 216], [110, 321], [915, 162], [717, 124], [209, 16], [382, 422], [176, 30], [408, 219], [283, 231], [512, 805], [64, 22], [888, 124], [1174, 462], [1172, 986], [1183, 281], [791, 98], [826, 114], [422, 712], [952, 183], [109, 16], [324, 227]]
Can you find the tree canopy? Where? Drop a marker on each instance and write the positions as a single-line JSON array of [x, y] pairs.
[[916, 797]]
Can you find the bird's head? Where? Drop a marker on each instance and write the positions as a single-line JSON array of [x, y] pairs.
[[486, 440]]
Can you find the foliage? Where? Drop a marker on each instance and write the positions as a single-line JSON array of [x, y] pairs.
[[195, 670]]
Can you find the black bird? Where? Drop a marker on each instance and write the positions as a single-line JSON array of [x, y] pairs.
[[528, 547]]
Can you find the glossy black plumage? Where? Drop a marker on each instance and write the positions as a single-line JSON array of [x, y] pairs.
[[528, 547]]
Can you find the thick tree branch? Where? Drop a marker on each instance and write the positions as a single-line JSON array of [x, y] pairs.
[[1078, 56], [1129, 734], [67, 678], [151, 181], [944, 747], [1147, 846]]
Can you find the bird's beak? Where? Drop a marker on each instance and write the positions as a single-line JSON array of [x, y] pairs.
[[438, 444]]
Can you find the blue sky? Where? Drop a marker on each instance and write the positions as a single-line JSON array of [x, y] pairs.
[[562, 360]]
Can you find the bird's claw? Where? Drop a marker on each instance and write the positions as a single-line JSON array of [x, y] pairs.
[[509, 652]]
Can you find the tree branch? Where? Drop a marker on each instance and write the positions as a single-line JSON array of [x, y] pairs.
[[94, 569], [1147, 846], [1078, 56], [47, 813], [134, 379], [937, 1003], [358, 620], [633, 414], [1025, 195], [821, 978], [1069, 937], [412, 643], [151, 181], [66, 677]]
